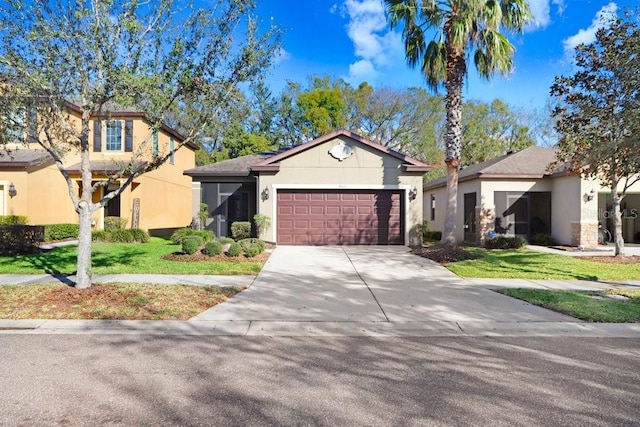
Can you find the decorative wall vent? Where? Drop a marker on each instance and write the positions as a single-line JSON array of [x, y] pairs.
[[341, 151]]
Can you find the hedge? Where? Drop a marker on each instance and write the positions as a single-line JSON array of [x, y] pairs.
[[20, 239], [13, 220], [60, 231], [504, 242]]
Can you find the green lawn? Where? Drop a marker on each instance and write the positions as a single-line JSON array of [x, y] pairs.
[[589, 306], [119, 258], [526, 264]]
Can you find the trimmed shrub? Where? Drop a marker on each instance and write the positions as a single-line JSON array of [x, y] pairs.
[[432, 235], [240, 230], [504, 242], [191, 244], [542, 239], [179, 235], [134, 235], [235, 250], [115, 223], [246, 243], [225, 240], [253, 250], [13, 220], [213, 248], [60, 231], [262, 222], [140, 235], [20, 239]]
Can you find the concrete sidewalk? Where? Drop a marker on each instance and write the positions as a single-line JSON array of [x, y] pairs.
[[347, 291]]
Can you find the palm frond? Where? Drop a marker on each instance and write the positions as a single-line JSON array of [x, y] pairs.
[[516, 14], [434, 65], [494, 53]]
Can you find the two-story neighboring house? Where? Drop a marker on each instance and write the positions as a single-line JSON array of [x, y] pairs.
[[158, 201]]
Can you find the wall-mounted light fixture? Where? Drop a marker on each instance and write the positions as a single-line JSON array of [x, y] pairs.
[[413, 193], [265, 194], [590, 195], [12, 190]]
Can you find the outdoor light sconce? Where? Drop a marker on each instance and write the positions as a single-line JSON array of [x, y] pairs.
[[12, 190], [413, 193], [265, 194], [590, 195]]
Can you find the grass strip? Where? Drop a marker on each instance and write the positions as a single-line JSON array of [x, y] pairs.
[[589, 306]]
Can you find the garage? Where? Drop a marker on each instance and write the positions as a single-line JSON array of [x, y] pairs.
[[340, 217]]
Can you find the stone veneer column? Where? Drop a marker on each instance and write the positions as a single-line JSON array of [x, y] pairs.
[[485, 222], [584, 234]]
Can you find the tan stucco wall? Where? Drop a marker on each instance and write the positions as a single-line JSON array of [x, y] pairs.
[[315, 168], [165, 193], [566, 202]]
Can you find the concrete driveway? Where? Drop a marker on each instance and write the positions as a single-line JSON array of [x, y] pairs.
[[367, 284]]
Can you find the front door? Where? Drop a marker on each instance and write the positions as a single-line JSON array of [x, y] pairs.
[[470, 217]]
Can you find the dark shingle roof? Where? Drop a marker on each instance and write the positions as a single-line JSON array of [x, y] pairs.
[[105, 167], [240, 166], [531, 162], [24, 158]]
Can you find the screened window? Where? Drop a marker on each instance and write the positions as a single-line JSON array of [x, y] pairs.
[[114, 135]]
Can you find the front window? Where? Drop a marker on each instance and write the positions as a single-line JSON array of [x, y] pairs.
[[154, 146], [114, 135], [171, 148]]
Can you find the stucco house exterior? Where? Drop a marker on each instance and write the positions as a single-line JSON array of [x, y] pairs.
[[517, 194], [338, 189], [160, 200]]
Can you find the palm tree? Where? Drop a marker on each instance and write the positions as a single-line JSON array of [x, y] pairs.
[[458, 26]]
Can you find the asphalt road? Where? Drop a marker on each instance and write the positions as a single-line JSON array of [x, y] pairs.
[[89, 380]]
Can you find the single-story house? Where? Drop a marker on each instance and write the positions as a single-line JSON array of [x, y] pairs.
[[339, 189], [517, 194], [158, 201]]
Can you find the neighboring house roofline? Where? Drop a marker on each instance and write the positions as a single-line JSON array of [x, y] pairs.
[[24, 159], [268, 165]]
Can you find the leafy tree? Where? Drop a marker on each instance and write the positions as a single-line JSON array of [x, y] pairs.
[[460, 25], [156, 57], [491, 130], [597, 114], [322, 108]]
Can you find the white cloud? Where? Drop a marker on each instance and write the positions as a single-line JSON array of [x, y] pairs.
[[561, 6], [603, 19], [541, 13], [374, 44], [280, 56]]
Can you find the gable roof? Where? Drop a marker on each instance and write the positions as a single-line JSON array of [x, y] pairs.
[[271, 164], [532, 163], [24, 159], [240, 166]]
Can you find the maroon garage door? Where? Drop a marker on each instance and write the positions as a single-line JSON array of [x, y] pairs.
[[340, 217]]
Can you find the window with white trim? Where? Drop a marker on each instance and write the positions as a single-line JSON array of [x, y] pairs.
[[154, 144], [114, 135], [171, 148]]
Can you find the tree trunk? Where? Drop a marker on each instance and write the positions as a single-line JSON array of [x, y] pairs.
[[83, 275], [617, 221], [453, 139]]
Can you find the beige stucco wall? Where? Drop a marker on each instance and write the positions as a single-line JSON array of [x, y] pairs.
[[165, 193], [566, 202], [315, 168]]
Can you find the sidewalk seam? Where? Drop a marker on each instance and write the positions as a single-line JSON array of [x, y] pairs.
[[366, 284]]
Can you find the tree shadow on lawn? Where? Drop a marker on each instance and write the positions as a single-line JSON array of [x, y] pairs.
[[527, 262], [62, 261]]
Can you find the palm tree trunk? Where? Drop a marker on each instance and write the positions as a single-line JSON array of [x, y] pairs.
[[453, 141]]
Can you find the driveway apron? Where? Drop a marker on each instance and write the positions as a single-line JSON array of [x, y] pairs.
[[367, 283]]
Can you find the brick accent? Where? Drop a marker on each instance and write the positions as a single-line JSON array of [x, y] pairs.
[[584, 234], [485, 222]]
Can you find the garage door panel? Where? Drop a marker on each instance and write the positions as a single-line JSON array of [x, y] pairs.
[[340, 217]]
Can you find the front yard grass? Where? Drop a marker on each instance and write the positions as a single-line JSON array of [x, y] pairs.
[[121, 258], [589, 306], [527, 264], [121, 301]]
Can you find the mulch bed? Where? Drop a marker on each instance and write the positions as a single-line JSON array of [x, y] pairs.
[[443, 254], [613, 259]]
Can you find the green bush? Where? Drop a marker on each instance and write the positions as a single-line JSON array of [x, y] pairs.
[[60, 231], [179, 235], [115, 223], [235, 250], [13, 220], [20, 239], [251, 242], [432, 235], [225, 240], [253, 250], [504, 242], [240, 230], [262, 222], [191, 244], [213, 248], [542, 239], [114, 235]]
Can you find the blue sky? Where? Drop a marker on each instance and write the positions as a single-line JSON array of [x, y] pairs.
[[351, 39]]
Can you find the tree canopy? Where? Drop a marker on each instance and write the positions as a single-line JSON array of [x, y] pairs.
[[598, 115]]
